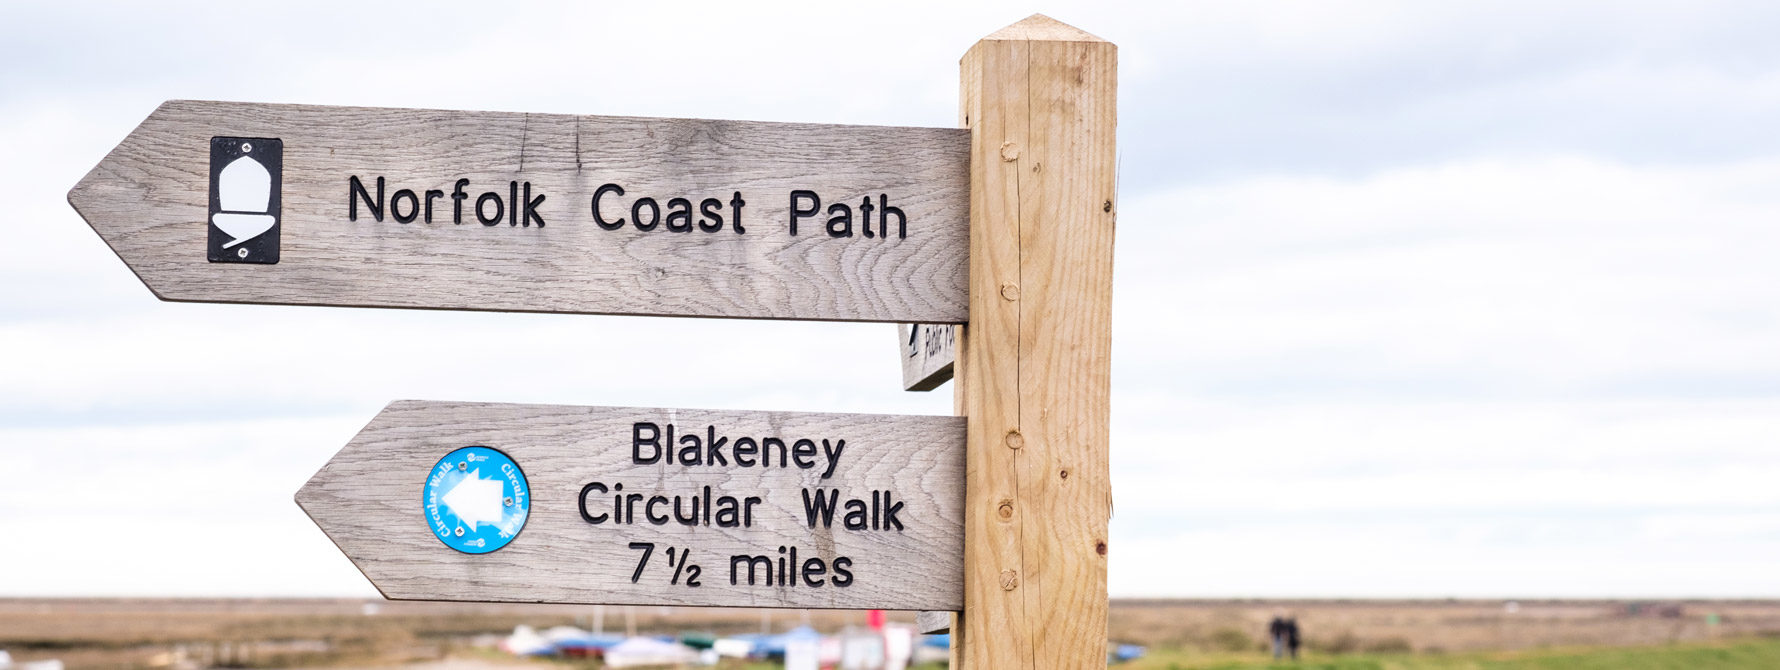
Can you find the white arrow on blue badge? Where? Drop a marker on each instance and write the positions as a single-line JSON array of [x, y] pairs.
[[476, 500]]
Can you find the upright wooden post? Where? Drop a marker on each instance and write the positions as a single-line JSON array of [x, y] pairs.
[[1034, 363]]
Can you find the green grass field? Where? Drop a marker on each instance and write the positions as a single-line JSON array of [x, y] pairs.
[[1757, 654]]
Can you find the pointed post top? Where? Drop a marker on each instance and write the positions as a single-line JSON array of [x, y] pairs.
[[1041, 28]]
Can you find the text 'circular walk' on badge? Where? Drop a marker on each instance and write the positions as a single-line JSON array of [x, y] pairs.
[[476, 500]]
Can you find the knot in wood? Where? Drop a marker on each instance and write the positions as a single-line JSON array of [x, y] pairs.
[[1015, 440], [1006, 510], [1010, 580], [1100, 547], [1010, 152], [1010, 290]]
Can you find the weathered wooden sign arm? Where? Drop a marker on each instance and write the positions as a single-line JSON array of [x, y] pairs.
[[616, 505], [928, 352], [433, 209]]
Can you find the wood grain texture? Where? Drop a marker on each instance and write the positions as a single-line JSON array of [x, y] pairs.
[[992, 631], [1066, 273], [933, 623], [148, 200], [368, 501], [1035, 367], [928, 352]]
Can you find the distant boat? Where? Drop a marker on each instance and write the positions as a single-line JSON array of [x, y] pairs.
[[643, 652]]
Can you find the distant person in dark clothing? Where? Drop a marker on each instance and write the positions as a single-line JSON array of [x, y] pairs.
[[1276, 632], [1292, 636], [1283, 631]]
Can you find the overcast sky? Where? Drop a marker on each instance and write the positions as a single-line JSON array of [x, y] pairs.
[[1412, 299]]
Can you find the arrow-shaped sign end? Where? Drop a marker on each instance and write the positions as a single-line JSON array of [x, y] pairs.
[[113, 203], [313, 499]]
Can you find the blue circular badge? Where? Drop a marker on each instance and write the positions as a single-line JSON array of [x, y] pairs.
[[476, 500]]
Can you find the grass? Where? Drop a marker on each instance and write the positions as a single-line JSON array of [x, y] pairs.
[[1732, 655]]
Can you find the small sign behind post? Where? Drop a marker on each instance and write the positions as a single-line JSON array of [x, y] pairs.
[[353, 206], [603, 505], [927, 354]]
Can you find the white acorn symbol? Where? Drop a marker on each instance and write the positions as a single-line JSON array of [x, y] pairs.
[[244, 190]]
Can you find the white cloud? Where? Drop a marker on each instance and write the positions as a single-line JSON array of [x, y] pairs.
[[1551, 377], [202, 507], [1538, 278]]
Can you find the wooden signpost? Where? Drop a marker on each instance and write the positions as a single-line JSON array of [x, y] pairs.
[[1003, 228], [1034, 363], [760, 509]]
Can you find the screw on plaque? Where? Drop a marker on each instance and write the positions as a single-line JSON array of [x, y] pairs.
[[507, 501], [463, 466], [460, 531]]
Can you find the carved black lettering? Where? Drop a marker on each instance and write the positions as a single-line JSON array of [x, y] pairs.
[[803, 452], [679, 209], [751, 561], [842, 576], [513, 199], [531, 208], [599, 220], [630, 506], [712, 211], [692, 450], [890, 511], [649, 510], [618, 503], [841, 224], [820, 507], [834, 455], [430, 195], [766, 452], [727, 516], [395, 206], [457, 200], [865, 217], [745, 446], [355, 189], [499, 208], [858, 517], [884, 212], [592, 487], [638, 441], [735, 207], [684, 519], [812, 571], [647, 549], [636, 216], [714, 447], [801, 212], [748, 511]]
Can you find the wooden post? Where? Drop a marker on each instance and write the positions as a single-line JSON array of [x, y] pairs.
[[1033, 371]]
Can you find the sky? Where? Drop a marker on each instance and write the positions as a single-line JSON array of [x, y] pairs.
[[1411, 299]]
